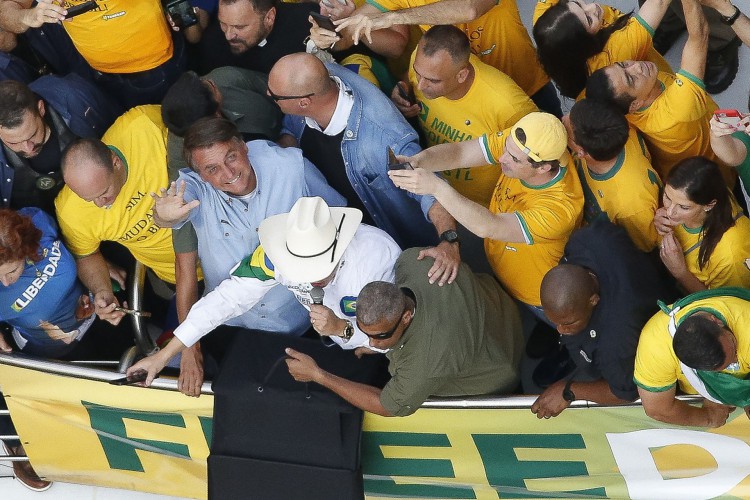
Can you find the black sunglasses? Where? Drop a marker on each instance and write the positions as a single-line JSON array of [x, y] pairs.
[[384, 335], [278, 98]]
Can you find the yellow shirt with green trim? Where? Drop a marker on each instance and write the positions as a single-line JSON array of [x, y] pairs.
[[627, 195], [122, 36], [494, 102], [634, 41], [675, 125], [547, 215], [657, 368], [498, 38], [139, 138], [726, 266]]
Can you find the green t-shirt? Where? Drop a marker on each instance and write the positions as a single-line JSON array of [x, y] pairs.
[[465, 339]]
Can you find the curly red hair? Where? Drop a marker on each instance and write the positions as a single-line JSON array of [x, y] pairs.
[[19, 237]]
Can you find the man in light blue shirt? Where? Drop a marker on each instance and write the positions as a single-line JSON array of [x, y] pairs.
[[232, 187]]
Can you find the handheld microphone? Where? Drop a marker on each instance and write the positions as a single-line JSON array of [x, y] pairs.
[[317, 294]]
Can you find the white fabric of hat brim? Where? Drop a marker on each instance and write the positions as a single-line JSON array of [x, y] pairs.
[[272, 234]]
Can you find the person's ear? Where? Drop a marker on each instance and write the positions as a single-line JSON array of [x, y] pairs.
[[462, 75], [41, 108], [270, 18], [594, 300]]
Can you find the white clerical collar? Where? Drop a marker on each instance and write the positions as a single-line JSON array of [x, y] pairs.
[[263, 42], [341, 114]]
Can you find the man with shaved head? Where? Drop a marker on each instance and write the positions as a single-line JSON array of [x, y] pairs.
[[346, 126], [599, 297], [106, 198]]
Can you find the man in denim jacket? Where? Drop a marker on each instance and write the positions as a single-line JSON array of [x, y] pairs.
[[345, 125]]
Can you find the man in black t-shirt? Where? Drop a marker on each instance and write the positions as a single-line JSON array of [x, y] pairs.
[[254, 34], [599, 297]]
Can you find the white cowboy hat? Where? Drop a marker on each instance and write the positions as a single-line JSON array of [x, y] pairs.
[[306, 244]]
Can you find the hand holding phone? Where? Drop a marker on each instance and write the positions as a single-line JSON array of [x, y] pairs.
[[729, 116], [181, 13], [134, 378], [407, 96], [394, 164], [322, 21], [79, 9]]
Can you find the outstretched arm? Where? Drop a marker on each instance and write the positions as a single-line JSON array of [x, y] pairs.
[[696, 48], [365, 397], [443, 12], [652, 11]]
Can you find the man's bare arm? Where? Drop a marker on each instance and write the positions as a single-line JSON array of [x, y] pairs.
[[696, 48], [443, 12], [390, 42], [741, 25], [17, 16], [664, 407]]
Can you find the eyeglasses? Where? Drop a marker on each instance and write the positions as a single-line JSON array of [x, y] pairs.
[[384, 335], [278, 98]]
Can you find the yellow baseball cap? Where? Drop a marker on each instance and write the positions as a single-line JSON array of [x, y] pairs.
[[546, 138]]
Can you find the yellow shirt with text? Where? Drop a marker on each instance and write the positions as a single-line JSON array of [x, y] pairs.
[[547, 215], [139, 138], [627, 195], [494, 102]]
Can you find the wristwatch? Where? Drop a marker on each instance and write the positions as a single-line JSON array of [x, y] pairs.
[[348, 332], [568, 394], [729, 20], [451, 236]]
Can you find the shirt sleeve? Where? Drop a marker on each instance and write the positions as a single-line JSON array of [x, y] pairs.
[[685, 100], [541, 7], [548, 220], [493, 146], [656, 365], [293, 125], [233, 297], [633, 42], [407, 390]]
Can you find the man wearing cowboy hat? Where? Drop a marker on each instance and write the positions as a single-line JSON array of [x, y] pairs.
[[231, 187], [462, 339], [537, 202], [313, 245]]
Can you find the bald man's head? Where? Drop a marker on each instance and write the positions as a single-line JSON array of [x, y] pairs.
[[569, 294], [93, 171], [304, 78]]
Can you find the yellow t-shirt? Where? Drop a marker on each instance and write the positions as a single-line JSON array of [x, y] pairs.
[[498, 38], [656, 365], [547, 215], [139, 138], [726, 266], [627, 195], [122, 36], [494, 102], [675, 125], [634, 41]]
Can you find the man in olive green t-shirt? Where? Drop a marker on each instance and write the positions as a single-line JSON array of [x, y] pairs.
[[456, 340]]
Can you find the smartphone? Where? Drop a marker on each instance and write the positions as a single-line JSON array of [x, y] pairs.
[[79, 9], [394, 164], [136, 377], [729, 116], [407, 96], [181, 13], [324, 22]]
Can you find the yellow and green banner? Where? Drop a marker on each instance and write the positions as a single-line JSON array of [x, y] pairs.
[[90, 432]]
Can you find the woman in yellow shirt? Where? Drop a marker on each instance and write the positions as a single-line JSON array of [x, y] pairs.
[[705, 235], [575, 38]]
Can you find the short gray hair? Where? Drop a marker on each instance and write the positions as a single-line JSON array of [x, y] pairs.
[[380, 301]]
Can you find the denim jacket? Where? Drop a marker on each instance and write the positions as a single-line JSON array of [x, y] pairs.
[[73, 103], [374, 124]]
